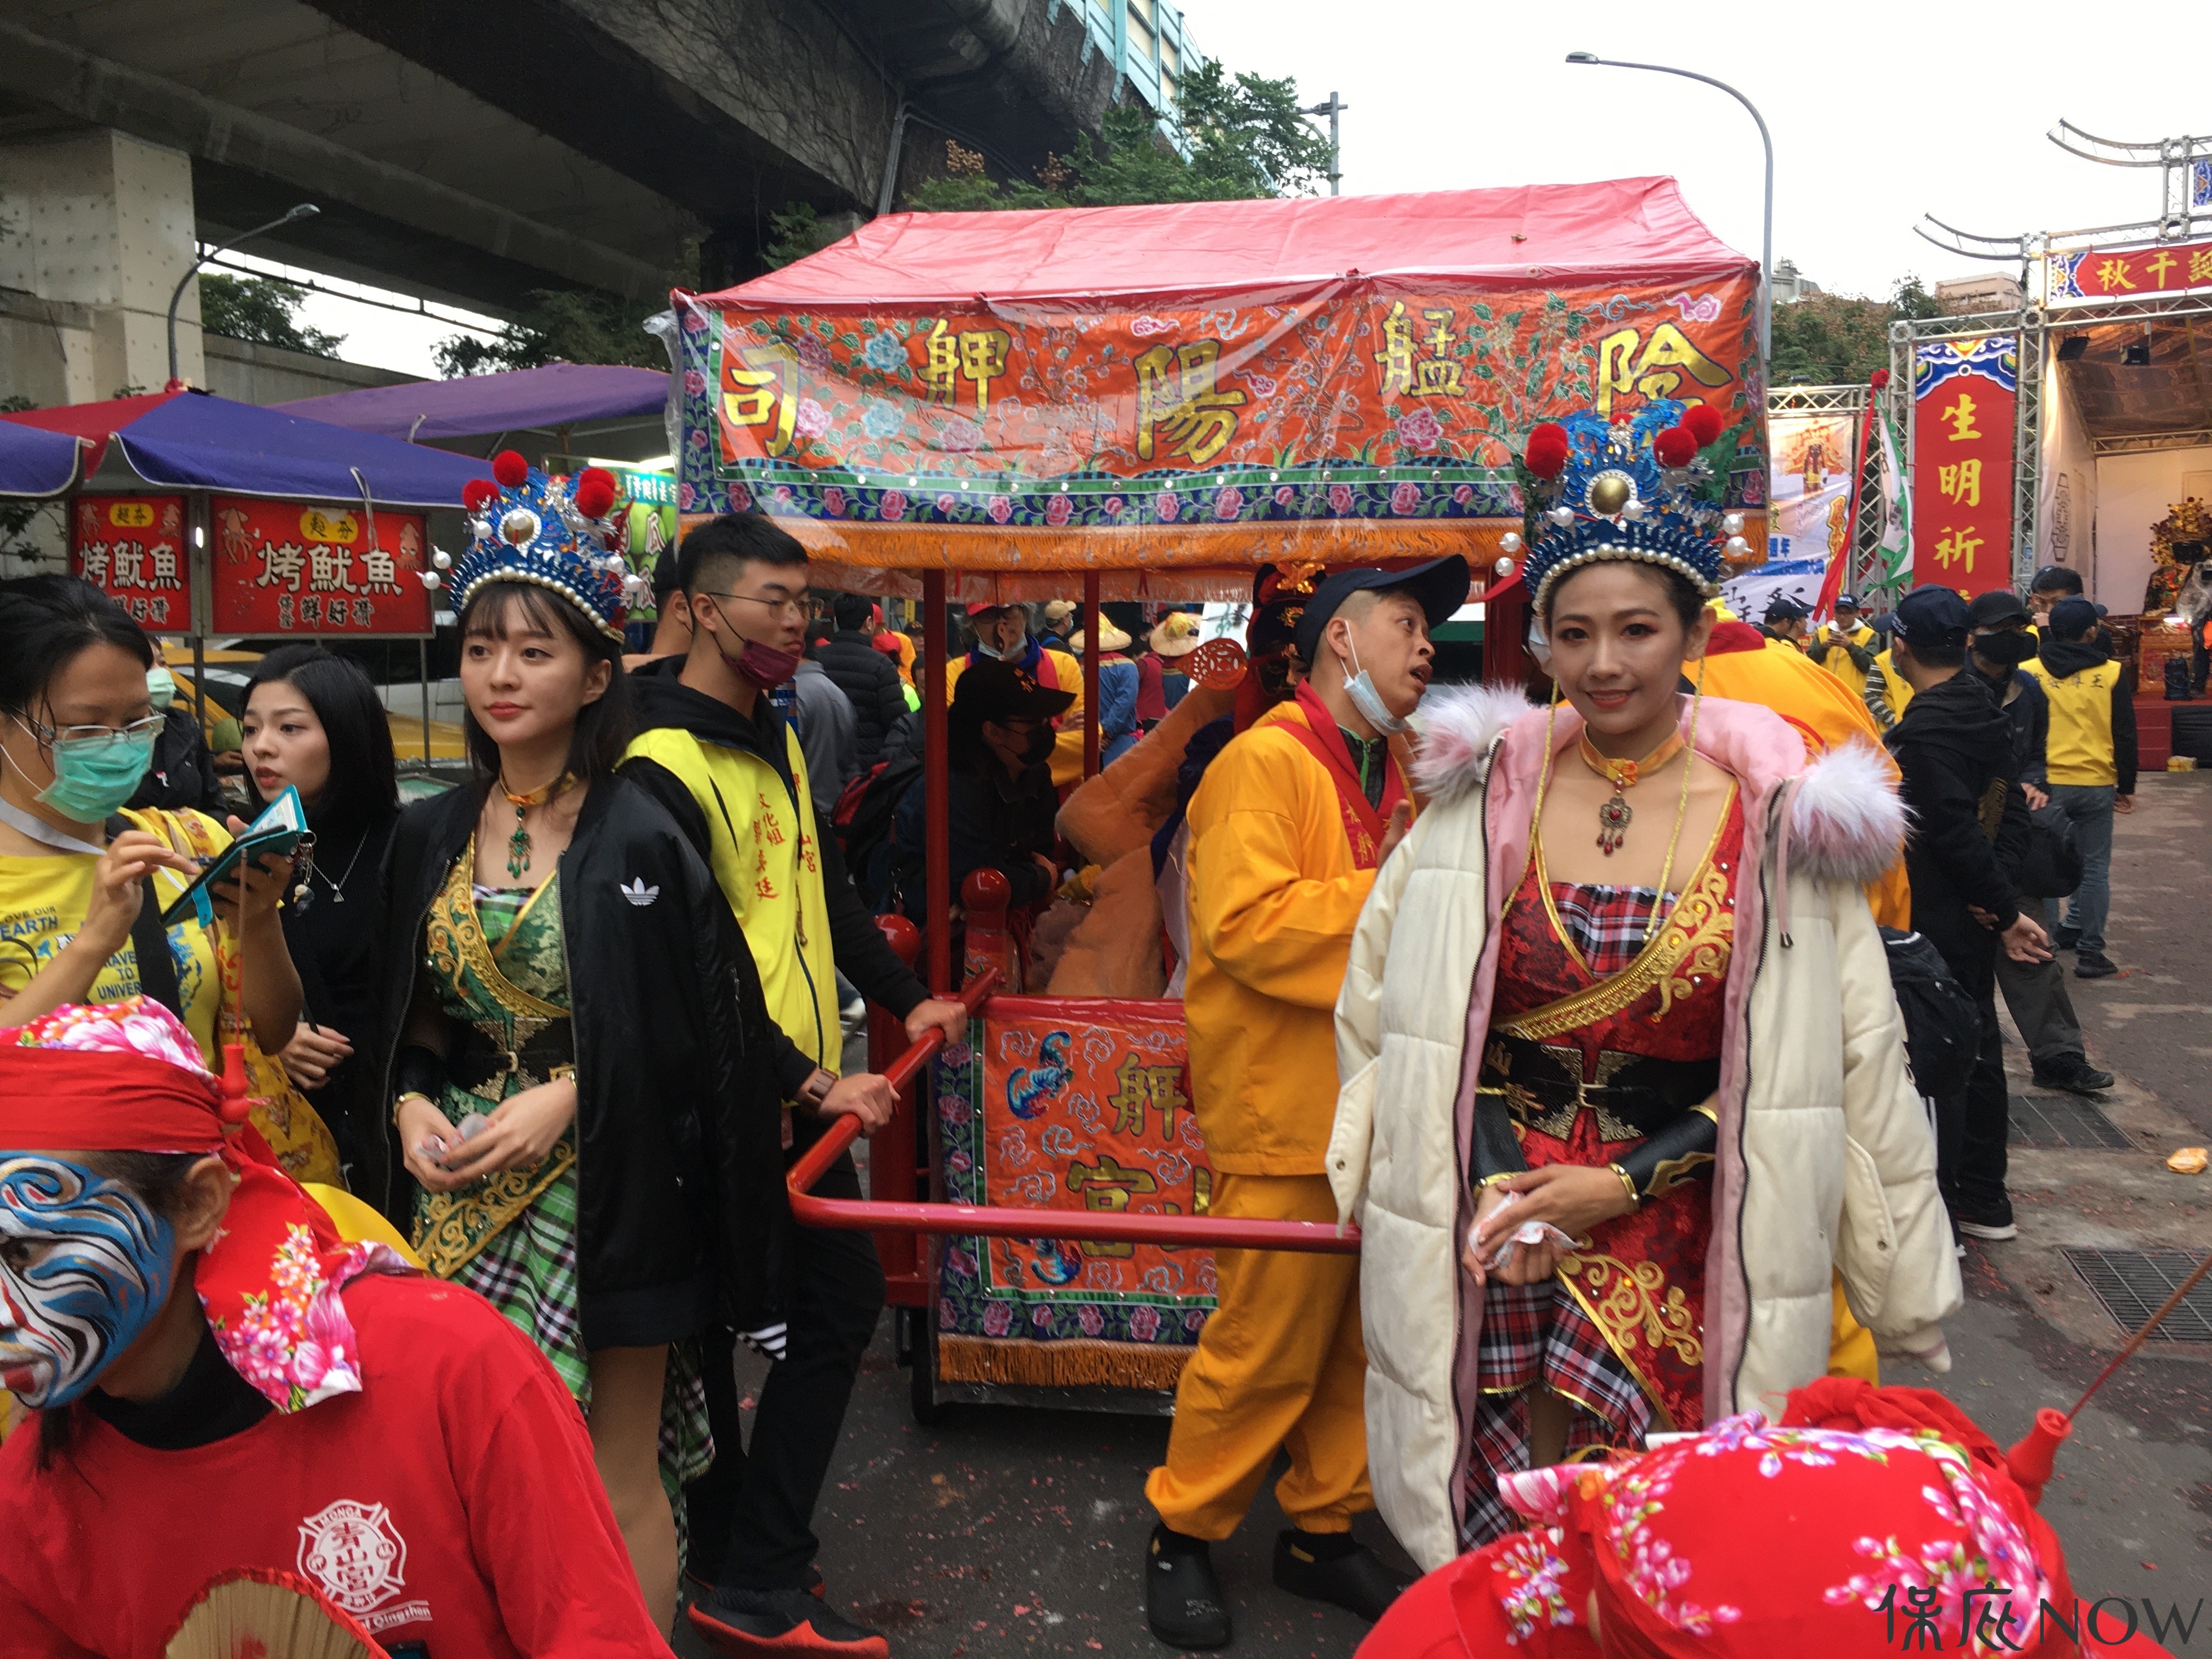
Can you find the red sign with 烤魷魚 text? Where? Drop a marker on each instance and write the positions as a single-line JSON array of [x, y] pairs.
[[284, 567], [134, 548], [1963, 404]]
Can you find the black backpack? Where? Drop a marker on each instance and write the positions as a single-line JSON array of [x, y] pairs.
[[866, 813], [1942, 1028]]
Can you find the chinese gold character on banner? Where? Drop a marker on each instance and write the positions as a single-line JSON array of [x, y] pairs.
[[977, 356], [2200, 265], [1958, 547], [1177, 399], [1106, 1185], [769, 391], [1628, 363], [2112, 274], [2160, 263], [1144, 1088], [1962, 483], [1435, 376], [1960, 415], [1397, 354]]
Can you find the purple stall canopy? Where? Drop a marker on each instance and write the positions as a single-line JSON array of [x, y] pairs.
[[521, 400], [195, 440], [36, 464]]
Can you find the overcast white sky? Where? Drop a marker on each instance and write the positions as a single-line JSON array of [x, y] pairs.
[[1881, 110]]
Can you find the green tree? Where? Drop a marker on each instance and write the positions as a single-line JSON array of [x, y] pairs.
[[557, 325], [1836, 339], [263, 311]]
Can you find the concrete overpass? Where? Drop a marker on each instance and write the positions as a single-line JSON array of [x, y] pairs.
[[473, 150]]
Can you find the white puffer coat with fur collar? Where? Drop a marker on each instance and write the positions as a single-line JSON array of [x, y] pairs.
[[1825, 1159]]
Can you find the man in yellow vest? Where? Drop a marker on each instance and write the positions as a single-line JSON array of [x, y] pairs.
[[1887, 691], [717, 753], [2090, 760], [1845, 645], [1003, 631], [1286, 832]]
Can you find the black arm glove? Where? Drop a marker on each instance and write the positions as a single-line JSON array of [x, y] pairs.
[[1672, 1152], [1496, 1148]]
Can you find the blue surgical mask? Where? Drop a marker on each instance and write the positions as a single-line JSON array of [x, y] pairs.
[[93, 776], [85, 1266], [1368, 701]]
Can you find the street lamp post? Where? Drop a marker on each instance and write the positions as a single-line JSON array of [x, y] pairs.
[[1766, 240], [1331, 109], [304, 211]]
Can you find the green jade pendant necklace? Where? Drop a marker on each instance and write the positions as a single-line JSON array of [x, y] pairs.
[[518, 844]]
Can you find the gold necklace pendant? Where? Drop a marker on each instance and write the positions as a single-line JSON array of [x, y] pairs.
[[1614, 816]]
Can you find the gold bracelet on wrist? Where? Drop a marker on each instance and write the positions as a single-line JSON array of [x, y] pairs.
[[1635, 1198], [1490, 1181], [405, 1096]]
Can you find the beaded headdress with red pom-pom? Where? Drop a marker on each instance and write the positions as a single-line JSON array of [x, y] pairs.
[[527, 527], [1637, 489]]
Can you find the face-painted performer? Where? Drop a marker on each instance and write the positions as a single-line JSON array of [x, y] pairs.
[[1620, 898], [201, 1346]]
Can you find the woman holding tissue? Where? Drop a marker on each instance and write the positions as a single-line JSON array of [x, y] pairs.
[[1675, 1096], [565, 1009]]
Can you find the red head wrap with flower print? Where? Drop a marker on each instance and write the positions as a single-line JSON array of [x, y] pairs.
[[127, 1077], [1866, 1516]]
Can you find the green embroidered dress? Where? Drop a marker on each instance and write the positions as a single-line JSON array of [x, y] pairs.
[[494, 959]]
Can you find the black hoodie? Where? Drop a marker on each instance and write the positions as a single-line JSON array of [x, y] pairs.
[[2061, 658], [1953, 746], [663, 700]]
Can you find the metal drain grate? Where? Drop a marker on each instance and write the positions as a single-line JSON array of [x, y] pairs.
[[2132, 1284], [2052, 1121]]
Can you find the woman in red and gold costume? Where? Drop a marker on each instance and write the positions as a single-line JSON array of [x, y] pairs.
[[1604, 1188]]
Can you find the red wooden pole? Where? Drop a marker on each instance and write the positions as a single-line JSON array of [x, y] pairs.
[[1092, 622], [936, 801]]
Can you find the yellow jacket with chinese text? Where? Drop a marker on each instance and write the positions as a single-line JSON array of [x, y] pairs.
[[1274, 897]]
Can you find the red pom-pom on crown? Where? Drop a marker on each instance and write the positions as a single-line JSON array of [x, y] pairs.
[[1879, 379], [1547, 449], [510, 469], [1675, 446], [1703, 422], [595, 492], [476, 491]]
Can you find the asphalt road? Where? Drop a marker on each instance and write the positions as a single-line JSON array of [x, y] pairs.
[[1005, 1531]]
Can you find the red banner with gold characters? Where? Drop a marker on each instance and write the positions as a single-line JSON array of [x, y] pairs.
[[135, 548], [284, 567], [1071, 1104], [1964, 399], [2130, 273]]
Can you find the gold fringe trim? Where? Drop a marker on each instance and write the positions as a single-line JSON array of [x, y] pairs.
[[1078, 1363]]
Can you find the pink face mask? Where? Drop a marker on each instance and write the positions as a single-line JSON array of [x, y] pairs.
[[764, 665]]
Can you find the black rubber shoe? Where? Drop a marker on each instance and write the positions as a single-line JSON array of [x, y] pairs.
[[2094, 964], [1330, 1567], [1182, 1598], [755, 1624], [2066, 938], [1990, 1221], [2073, 1074]]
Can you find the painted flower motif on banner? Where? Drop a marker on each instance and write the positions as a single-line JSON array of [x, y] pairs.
[[814, 354], [1420, 432], [1000, 509], [958, 1161], [1144, 1324], [811, 421], [694, 322], [783, 497], [946, 501], [1194, 1319], [1112, 506], [959, 1263], [685, 496], [959, 435], [1285, 494], [694, 383], [892, 508], [997, 1319], [1339, 498], [1228, 503], [698, 438], [1462, 494], [1166, 507], [741, 499], [1405, 498], [1041, 1315], [947, 1315], [882, 417], [1089, 1320], [1059, 510], [832, 502], [885, 351]]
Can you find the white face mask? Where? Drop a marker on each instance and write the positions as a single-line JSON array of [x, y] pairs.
[[1368, 701], [1539, 644]]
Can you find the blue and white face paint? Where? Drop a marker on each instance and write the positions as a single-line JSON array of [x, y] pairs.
[[84, 1267]]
